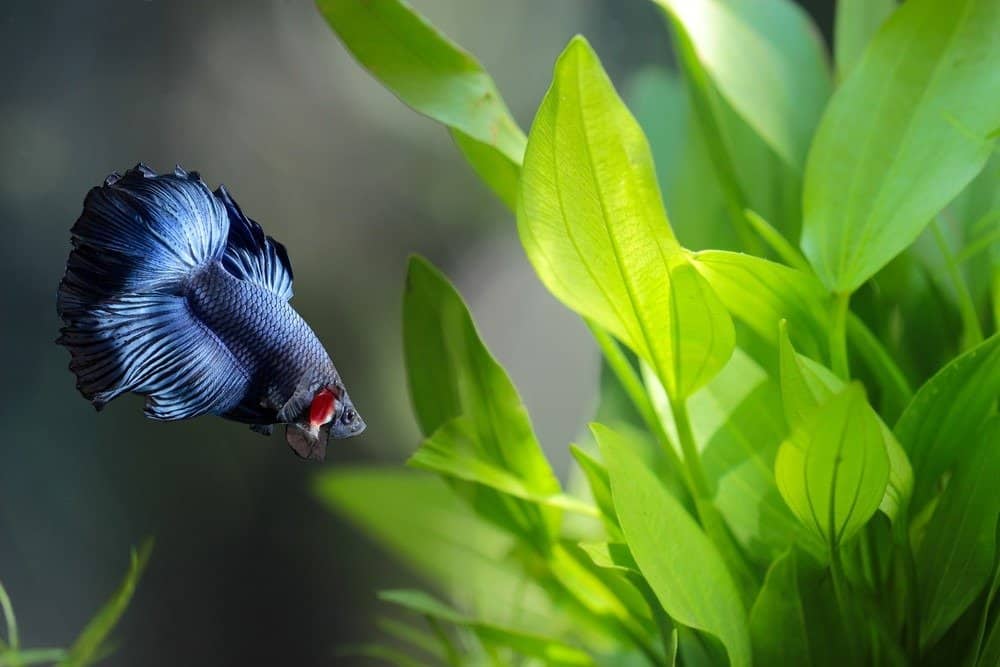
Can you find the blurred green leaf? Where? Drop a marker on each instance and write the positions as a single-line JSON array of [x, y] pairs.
[[956, 555], [452, 451], [40, 656], [592, 223], [418, 519], [907, 130], [435, 77], [856, 23], [13, 641], [761, 293], [665, 541], [552, 651], [452, 374], [91, 644], [767, 60], [941, 421], [777, 619], [833, 469], [805, 384]]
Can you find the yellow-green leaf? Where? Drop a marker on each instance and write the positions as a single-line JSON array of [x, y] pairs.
[[833, 469], [437, 78], [593, 225]]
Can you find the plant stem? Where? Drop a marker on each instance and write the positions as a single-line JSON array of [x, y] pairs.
[[788, 253], [692, 459], [636, 391], [902, 539], [896, 389], [841, 590], [33, 656], [838, 336], [972, 330]]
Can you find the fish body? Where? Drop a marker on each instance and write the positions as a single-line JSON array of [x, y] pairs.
[[173, 293]]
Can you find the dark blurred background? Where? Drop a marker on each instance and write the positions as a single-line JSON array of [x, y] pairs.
[[248, 568]]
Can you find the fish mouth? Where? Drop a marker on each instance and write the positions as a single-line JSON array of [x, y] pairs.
[[341, 431]]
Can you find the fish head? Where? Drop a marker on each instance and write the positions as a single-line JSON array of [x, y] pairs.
[[330, 413]]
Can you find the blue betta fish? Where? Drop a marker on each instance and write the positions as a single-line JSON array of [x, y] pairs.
[[171, 292]]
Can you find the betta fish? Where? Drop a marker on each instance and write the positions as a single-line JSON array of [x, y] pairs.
[[173, 293]]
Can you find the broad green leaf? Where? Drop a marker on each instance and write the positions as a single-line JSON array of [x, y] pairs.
[[761, 293], [777, 619], [437, 78], [736, 421], [665, 541], [452, 374], [91, 644], [384, 654], [941, 421], [593, 225], [806, 384], [957, 553], [857, 21], [833, 469], [452, 451], [421, 522], [904, 134], [552, 651], [766, 59]]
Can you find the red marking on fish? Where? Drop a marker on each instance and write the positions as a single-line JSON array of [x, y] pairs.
[[322, 407]]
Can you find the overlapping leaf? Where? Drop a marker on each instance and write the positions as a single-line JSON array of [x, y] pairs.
[[436, 77], [593, 225], [665, 541], [904, 134]]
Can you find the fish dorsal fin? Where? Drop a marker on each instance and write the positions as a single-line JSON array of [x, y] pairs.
[[251, 255]]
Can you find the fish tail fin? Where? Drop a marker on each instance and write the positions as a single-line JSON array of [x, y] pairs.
[[127, 324]]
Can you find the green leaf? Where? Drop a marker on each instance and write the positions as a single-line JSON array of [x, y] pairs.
[[420, 521], [941, 421], [908, 129], [90, 645], [956, 555], [552, 651], [857, 21], [833, 469], [435, 77], [600, 488], [452, 374], [593, 225], [806, 384], [736, 419], [777, 619], [665, 541], [761, 293], [35, 656], [766, 59], [452, 451], [13, 641]]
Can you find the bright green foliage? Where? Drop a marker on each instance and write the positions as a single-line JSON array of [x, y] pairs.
[[593, 224], [767, 60], [833, 469], [437, 78], [94, 644], [907, 130], [747, 501], [665, 540]]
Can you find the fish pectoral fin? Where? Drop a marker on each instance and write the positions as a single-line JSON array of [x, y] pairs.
[[309, 444], [263, 429]]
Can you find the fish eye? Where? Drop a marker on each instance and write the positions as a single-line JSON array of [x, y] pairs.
[[348, 416]]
